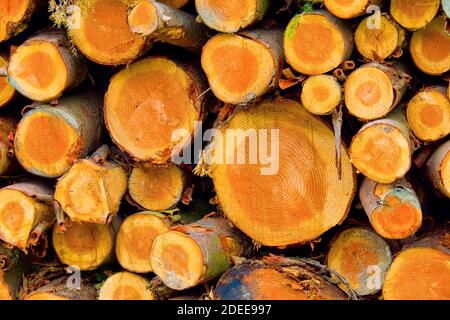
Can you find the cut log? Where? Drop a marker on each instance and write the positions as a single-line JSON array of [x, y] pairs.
[[156, 188], [102, 33], [347, 9], [59, 289], [374, 89], [382, 149], [438, 169], [168, 93], [362, 258], [276, 278], [379, 43], [7, 128], [160, 22], [190, 255], [44, 66], [291, 193], [49, 139], [86, 246], [242, 67], [321, 94], [413, 14], [316, 32], [421, 271], [428, 114], [229, 16], [7, 91], [393, 209], [135, 239], [12, 267], [91, 190], [430, 48], [15, 15], [26, 211]]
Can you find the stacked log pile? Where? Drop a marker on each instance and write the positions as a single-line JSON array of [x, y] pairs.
[[224, 149]]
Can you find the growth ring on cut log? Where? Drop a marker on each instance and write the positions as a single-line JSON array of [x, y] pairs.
[[103, 34], [135, 238], [44, 66], [49, 139], [321, 94], [413, 14], [7, 91], [156, 188], [430, 47], [428, 114], [357, 254], [229, 16], [382, 149], [317, 42], [90, 191], [347, 9], [147, 102], [126, 286], [300, 196], [242, 67], [14, 16]]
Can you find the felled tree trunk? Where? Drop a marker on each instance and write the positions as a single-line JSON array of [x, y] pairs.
[[382, 149], [92, 189], [321, 94], [159, 22], [231, 16], [130, 286], [350, 9], [394, 210], [438, 169], [362, 258], [276, 278], [412, 14], [27, 210], [422, 270], [44, 66], [242, 67], [189, 255], [291, 192], [49, 139], [12, 267], [312, 32], [60, 289], [155, 88], [7, 91], [374, 89], [86, 246], [7, 161]]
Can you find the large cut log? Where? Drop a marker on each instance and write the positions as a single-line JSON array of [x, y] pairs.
[[27, 210], [190, 255], [12, 267], [242, 67], [86, 246], [430, 47], [352, 8], [135, 239], [312, 32], [230, 16], [393, 209], [428, 114], [413, 14], [44, 66], [49, 139], [92, 189], [362, 258], [321, 94], [291, 193], [438, 169], [382, 149], [276, 278], [15, 15], [7, 129], [422, 270], [60, 289], [160, 22], [156, 188], [374, 89], [159, 90], [7, 91]]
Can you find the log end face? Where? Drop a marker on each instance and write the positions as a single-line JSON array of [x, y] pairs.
[[143, 18], [12, 15], [412, 15], [125, 286], [321, 94], [7, 91], [346, 9]]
